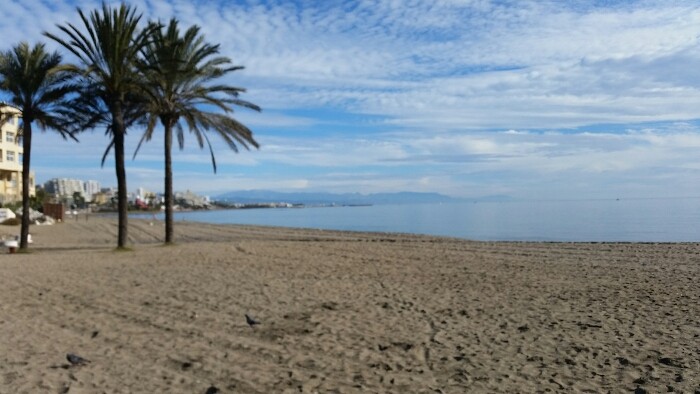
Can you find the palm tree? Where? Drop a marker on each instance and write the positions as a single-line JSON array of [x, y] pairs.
[[179, 71], [108, 49], [40, 92]]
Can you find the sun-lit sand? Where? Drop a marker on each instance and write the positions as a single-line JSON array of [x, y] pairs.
[[343, 313]]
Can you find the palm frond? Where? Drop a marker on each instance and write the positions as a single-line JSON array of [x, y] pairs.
[[179, 69], [40, 89], [106, 153], [150, 126]]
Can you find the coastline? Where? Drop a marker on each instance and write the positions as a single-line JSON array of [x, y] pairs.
[[343, 312], [587, 221]]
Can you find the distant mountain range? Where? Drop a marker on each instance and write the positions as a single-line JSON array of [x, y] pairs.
[[266, 196]]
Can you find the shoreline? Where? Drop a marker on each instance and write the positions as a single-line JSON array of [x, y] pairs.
[[610, 223], [407, 234], [343, 312], [139, 223]]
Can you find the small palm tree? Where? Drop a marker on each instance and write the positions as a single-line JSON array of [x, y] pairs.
[[40, 91], [108, 47], [179, 71]]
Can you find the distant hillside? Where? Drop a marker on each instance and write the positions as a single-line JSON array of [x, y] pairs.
[[266, 196]]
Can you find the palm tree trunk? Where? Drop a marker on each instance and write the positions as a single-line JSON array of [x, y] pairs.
[[27, 145], [118, 130], [168, 183]]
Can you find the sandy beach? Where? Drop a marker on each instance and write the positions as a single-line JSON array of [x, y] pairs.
[[343, 312]]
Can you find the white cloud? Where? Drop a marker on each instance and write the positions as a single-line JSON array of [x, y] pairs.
[[436, 63], [438, 77]]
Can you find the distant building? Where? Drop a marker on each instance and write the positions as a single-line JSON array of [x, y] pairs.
[[190, 199], [144, 194], [11, 154], [90, 188], [104, 196], [63, 187], [101, 198]]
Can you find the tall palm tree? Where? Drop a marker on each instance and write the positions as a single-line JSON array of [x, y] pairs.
[[40, 91], [108, 47], [179, 71]]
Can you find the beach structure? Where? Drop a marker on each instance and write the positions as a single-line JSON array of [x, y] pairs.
[[11, 152]]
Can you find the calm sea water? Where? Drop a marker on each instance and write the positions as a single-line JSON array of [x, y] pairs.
[[639, 220]]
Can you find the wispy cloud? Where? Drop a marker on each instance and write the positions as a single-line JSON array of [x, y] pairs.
[[593, 93]]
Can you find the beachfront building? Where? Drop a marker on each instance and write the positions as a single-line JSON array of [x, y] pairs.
[[104, 196], [63, 187], [101, 198], [143, 194], [11, 153], [190, 199], [90, 189]]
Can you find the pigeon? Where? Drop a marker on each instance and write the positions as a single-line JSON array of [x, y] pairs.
[[74, 359], [251, 322], [212, 390]]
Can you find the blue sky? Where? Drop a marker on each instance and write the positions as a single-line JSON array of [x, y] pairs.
[[532, 99]]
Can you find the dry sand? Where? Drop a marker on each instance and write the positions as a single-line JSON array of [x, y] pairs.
[[343, 313]]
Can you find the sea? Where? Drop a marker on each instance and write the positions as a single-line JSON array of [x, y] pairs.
[[605, 220]]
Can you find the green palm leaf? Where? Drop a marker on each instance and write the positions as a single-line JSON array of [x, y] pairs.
[[107, 45], [40, 91], [179, 70]]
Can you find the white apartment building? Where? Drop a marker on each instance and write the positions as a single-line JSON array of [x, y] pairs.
[[90, 188], [11, 153], [63, 187]]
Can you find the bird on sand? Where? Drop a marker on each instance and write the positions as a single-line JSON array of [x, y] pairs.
[[74, 359], [251, 322], [212, 390]]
